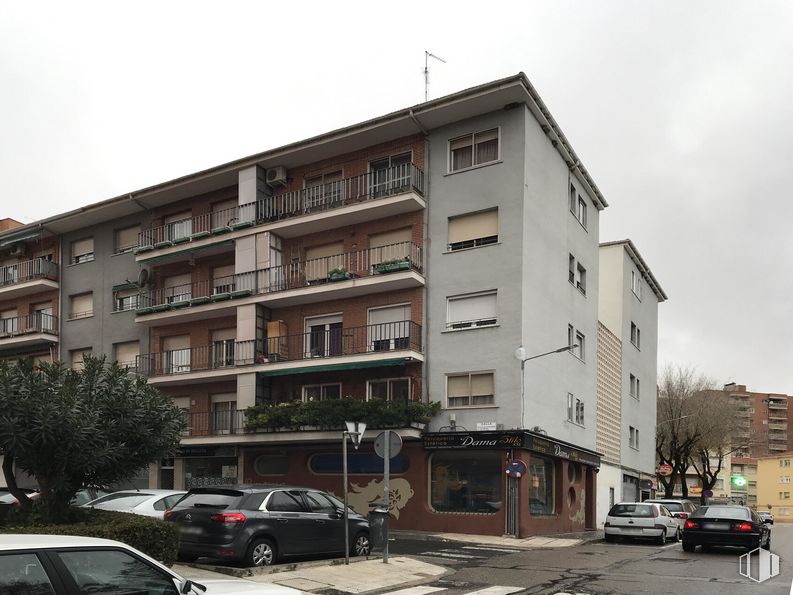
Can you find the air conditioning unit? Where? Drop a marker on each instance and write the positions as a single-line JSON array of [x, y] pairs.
[[276, 176], [18, 249]]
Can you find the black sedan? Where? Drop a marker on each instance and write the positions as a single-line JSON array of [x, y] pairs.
[[722, 525], [258, 525]]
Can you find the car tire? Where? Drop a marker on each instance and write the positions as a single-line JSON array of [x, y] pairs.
[[261, 552], [361, 546], [689, 547], [610, 538], [661, 540], [677, 535]]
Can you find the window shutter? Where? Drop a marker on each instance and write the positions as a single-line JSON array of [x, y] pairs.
[[178, 280], [127, 238], [178, 217], [392, 314], [224, 334], [390, 245], [487, 135], [81, 247], [458, 386], [321, 259], [77, 358], [460, 143], [476, 307], [224, 398], [473, 226], [176, 343], [82, 304], [127, 352], [482, 384]]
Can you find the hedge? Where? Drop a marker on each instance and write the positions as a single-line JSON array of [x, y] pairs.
[[153, 537]]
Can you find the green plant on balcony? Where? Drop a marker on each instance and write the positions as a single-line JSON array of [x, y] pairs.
[[338, 274], [395, 264], [332, 413]]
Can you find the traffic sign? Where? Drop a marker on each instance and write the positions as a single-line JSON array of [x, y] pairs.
[[516, 468], [664, 470], [708, 493], [394, 444]]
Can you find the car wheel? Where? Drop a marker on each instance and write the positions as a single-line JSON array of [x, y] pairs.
[[361, 545], [662, 538], [677, 535], [261, 552], [610, 538], [689, 547], [767, 545]]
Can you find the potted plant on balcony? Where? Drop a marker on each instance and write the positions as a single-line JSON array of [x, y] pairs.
[[338, 274], [395, 264]]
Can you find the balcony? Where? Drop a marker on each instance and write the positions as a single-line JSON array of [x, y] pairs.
[[334, 349], [28, 331], [782, 446], [349, 201], [778, 404], [27, 277], [352, 274], [773, 426]]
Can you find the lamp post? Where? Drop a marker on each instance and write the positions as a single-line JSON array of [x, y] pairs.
[[520, 355]]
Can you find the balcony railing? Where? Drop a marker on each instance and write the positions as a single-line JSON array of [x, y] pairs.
[[324, 197], [391, 258], [28, 270], [25, 325], [316, 344]]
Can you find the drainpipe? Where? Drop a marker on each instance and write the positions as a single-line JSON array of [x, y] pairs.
[[61, 269]]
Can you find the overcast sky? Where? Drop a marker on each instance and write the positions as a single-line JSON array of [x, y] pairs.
[[681, 111]]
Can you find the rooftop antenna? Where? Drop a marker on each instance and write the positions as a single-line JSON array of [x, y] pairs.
[[427, 56]]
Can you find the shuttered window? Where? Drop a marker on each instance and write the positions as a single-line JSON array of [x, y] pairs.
[[178, 288], [224, 213], [82, 306], [473, 230], [127, 238], [471, 311], [126, 353], [223, 279], [322, 259], [473, 149], [391, 245], [389, 328], [177, 354], [470, 390], [77, 356], [83, 250]]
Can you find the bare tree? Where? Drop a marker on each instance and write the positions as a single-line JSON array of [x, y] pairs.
[[684, 417]]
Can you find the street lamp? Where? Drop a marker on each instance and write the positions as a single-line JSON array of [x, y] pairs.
[[520, 355]]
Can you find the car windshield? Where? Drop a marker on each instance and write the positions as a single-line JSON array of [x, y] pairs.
[[214, 499], [722, 512], [634, 510], [122, 503], [119, 495], [673, 506]]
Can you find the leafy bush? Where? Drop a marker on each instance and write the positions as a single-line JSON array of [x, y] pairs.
[[151, 536], [331, 414]]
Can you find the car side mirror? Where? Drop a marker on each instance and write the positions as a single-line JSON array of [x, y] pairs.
[[767, 521], [185, 586], [339, 513]]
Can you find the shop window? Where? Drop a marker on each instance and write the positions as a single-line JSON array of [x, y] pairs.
[[274, 464], [328, 463], [389, 389], [466, 482], [541, 492], [211, 472]]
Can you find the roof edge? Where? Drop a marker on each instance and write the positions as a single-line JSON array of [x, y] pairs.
[[644, 269]]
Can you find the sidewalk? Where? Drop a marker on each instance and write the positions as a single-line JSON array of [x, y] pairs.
[[537, 541]]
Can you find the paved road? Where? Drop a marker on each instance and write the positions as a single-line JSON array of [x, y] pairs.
[[596, 569]]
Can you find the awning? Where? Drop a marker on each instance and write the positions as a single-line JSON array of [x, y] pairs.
[[10, 241], [337, 367], [187, 250]]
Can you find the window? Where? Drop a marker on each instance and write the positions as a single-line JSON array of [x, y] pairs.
[[470, 390], [176, 354], [126, 354], [389, 328], [82, 251], [320, 260], [473, 149], [581, 213], [634, 386], [224, 413], [178, 288], [324, 191], [636, 335], [578, 339], [471, 311], [466, 482], [321, 392], [77, 356], [178, 226], [390, 246], [319, 503], [576, 274], [323, 336], [23, 573], [575, 410], [223, 279], [126, 299], [473, 230], [224, 213], [82, 306], [784, 479], [784, 495], [8, 322], [389, 389], [783, 511], [103, 572], [633, 437], [577, 205], [126, 239], [541, 484], [389, 174], [636, 284], [223, 347]]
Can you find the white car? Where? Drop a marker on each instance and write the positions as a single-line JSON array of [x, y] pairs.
[[151, 503], [641, 520], [62, 565]]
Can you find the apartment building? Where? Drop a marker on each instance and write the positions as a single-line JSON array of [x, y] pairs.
[[627, 374], [774, 492], [399, 260]]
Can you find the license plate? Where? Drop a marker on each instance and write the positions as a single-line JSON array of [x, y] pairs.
[[716, 526], [190, 530]]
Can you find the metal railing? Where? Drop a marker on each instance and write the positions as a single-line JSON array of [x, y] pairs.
[[360, 263], [324, 197], [37, 322], [215, 423], [38, 268], [315, 344]]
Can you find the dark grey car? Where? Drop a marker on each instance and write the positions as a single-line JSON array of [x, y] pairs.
[[257, 525]]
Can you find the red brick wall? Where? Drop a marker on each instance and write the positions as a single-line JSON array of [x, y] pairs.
[[200, 332]]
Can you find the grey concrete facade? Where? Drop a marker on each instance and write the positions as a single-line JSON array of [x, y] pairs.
[[104, 328], [527, 267]]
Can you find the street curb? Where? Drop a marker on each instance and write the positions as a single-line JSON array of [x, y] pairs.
[[278, 568]]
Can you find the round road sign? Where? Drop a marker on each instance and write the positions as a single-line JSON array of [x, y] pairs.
[[394, 444], [664, 470]]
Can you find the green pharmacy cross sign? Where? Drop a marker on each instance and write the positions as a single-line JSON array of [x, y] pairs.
[[739, 481]]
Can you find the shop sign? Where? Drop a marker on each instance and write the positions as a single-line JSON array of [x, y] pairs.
[[192, 452], [505, 440]]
